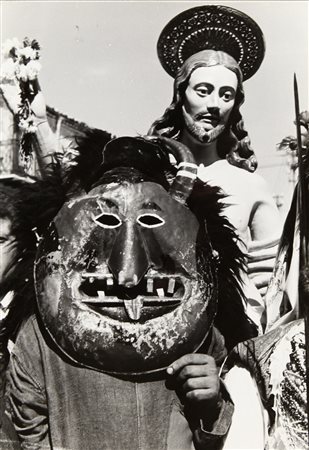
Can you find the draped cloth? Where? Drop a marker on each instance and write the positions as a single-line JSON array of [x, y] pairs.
[[271, 370], [261, 258]]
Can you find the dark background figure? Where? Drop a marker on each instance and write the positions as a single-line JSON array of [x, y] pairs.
[[17, 250]]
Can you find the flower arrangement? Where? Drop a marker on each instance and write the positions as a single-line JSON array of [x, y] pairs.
[[20, 65], [20, 60]]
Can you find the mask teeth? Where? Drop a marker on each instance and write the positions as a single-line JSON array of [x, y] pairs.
[[134, 308], [160, 292], [101, 295], [171, 286], [149, 285], [109, 282]]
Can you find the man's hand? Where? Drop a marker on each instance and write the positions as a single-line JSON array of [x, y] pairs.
[[197, 384]]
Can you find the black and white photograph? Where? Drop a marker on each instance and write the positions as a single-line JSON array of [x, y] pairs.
[[154, 225]]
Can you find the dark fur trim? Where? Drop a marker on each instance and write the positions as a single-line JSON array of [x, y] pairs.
[[90, 158], [231, 319]]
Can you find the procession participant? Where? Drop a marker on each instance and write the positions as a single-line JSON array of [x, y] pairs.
[[210, 50], [129, 277], [17, 249], [24, 210], [271, 369], [18, 246], [282, 297]]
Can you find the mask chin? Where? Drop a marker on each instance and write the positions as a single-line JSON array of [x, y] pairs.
[[198, 132]]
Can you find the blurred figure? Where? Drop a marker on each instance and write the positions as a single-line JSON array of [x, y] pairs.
[[17, 250]]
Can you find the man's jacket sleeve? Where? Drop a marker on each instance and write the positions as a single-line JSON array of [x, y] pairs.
[[25, 396], [214, 439]]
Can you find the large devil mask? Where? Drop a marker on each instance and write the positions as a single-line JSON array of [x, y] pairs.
[[123, 284]]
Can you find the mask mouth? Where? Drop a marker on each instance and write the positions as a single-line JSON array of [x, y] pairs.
[[101, 290]]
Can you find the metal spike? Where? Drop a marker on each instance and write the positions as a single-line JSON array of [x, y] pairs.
[[171, 286], [149, 285], [109, 282], [160, 292]]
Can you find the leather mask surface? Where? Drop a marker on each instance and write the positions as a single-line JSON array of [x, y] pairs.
[[118, 282]]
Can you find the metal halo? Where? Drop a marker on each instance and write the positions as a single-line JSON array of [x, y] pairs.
[[212, 27]]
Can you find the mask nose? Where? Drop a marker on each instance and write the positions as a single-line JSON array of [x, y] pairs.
[[128, 260]]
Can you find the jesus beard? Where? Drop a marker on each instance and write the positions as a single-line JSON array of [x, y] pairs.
[[198, 132]]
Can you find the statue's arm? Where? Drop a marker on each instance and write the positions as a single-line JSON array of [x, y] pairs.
[[265, 229]]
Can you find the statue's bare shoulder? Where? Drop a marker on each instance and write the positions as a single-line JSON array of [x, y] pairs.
[[250, 201]]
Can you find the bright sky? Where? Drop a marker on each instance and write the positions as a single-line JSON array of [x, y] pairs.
[[100, 64]]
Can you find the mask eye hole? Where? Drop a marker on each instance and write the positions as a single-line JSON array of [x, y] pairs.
[[108, 220], [150, 220]]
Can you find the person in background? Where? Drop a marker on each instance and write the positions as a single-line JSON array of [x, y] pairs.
[[271, 369], [17, 250]]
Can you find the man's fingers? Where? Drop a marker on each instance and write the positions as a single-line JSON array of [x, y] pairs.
[[208, 383], [190, 359], [201, 395], [195, 371]]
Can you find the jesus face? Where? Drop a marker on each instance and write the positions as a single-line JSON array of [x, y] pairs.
[[209, 101]]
